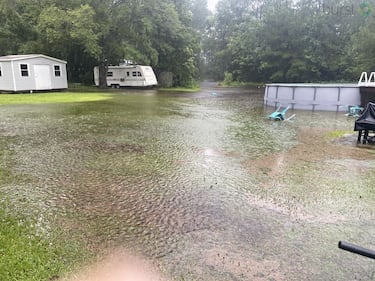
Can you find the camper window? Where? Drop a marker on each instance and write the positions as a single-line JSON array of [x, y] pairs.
[[134, 73], [24, 70], [128, 73], [1, 72], [109, 74], [139, 74], [57, 70]]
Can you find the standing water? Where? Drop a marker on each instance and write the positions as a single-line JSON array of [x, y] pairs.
[[203, 185]]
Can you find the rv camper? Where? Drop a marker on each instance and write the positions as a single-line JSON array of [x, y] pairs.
[[128, 76]]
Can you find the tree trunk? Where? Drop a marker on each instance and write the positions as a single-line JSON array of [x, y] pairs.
[[103, 75]]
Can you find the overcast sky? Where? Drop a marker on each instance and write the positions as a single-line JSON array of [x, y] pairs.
[[211, 4]]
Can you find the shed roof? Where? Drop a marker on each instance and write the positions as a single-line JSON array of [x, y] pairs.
[[30, 56]]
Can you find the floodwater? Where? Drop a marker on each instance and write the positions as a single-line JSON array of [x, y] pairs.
[[202, 185]]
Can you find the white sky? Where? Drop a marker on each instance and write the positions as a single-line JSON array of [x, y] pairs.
[[211, 4]]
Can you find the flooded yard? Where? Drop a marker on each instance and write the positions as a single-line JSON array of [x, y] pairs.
[[202, 185]]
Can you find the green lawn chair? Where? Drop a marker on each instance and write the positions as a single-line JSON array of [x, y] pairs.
[[278, 115], [354, 111]]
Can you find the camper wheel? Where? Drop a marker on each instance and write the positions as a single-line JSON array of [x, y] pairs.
[[115, 86]]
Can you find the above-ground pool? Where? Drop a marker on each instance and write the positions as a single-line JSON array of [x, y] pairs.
[[329, 97]]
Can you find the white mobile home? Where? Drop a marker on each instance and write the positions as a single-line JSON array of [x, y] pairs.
[[128, 76], [32, 73]]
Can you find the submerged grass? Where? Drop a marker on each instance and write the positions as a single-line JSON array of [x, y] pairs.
[[27, 251], [257, 85], [133, 170], [25, 256], [5, 173], [39, 98], [339, 133]]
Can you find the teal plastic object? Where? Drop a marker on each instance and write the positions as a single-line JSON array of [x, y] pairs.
[[278, 115], [354, 110]]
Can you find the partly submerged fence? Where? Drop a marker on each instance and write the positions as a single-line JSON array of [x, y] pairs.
[[329, 97]]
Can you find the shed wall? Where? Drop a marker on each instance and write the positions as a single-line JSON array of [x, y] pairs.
[[13, 80], [6, 78]]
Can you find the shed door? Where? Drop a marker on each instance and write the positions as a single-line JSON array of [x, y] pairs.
[[42, 75]]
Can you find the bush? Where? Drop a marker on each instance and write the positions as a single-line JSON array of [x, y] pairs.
[[166, 79], [228, 78]]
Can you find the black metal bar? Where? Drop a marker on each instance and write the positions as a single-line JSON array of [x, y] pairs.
[[359, 136], [293, 97], [365, 137], [357, 249], [277, 96], [314, 99]]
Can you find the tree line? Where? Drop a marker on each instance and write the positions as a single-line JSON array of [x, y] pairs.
[[246, 40], [290, 41], [86, 33]]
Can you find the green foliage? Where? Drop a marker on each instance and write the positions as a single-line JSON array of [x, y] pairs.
[[166, 79], [83, 30], [363, 46], [255, 40], [228, 78], [92, 32], [200, 15], [289, 41]]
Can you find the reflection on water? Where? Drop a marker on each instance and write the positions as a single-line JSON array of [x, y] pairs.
[[201, 184]]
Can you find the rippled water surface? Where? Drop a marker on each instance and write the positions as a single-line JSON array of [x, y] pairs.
[[202, 184]]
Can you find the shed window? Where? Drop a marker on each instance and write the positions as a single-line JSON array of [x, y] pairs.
[[109, 74], [57, 70], [24, 70]]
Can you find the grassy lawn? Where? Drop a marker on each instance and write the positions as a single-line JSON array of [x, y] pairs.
[[64, 97], [242, 84], [25, 256], [339, 133], [180, 89], [28, 251]]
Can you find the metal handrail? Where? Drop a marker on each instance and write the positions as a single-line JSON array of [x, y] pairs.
[[357, 249], [367, 81]]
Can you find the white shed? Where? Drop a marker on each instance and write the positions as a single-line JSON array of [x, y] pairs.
[[32, 73]]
